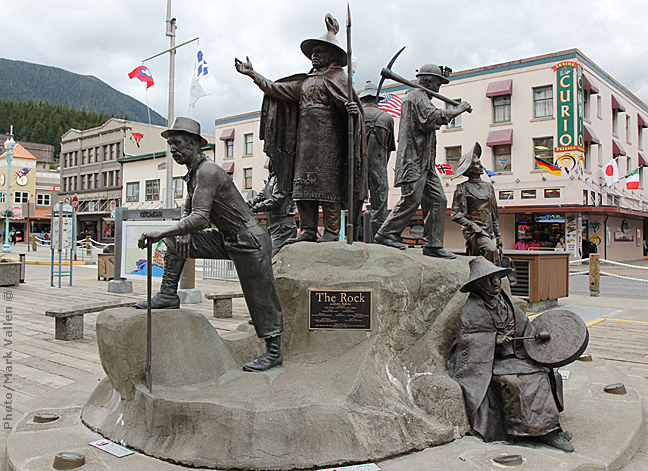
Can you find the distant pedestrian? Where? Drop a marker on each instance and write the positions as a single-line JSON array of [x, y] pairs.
[[12, 237]]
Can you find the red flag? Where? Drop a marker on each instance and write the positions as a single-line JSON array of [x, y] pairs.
[[445, 169], [144, 74], [137, 136]]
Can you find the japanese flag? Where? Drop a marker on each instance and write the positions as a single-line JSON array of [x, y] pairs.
[[611, 173]]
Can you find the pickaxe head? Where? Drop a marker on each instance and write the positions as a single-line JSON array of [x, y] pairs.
[[389, 66]]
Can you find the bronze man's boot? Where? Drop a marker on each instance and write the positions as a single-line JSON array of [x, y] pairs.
[[271, 358], [167, 298]]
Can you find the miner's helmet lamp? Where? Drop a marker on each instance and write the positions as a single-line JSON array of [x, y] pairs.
[[441, 72]]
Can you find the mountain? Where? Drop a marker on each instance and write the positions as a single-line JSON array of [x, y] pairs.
[[24, 81]]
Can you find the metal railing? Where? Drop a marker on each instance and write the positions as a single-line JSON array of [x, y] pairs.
[[223, 270]]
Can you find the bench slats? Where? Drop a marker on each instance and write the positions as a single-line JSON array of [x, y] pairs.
[[80, 309]]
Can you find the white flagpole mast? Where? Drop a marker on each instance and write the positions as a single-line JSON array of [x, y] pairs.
[[170, 31]]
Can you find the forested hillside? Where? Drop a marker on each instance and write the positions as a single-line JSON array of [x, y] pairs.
[[24, 82], [45, 123]]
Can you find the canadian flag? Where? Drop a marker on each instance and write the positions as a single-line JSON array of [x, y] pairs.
[[611, 172]]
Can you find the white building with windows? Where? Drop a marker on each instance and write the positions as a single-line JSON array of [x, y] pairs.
[[145, 178], [521, 113], [33, 191], [120, 163], [240, 151]]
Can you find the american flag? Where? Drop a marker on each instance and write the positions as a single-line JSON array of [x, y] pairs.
[[391, 104], [22, 172], [445, 169]]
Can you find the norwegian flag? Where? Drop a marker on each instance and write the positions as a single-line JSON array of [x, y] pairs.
[[391, 104], [22, 172], [137, 137], [144, 74], [445, 169]]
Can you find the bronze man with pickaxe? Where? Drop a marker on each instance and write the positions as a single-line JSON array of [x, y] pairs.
[[415, 165]]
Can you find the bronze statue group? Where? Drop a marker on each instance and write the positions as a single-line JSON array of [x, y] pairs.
[[304, 123]]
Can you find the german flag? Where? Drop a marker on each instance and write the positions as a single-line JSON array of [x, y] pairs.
[[552, 169]]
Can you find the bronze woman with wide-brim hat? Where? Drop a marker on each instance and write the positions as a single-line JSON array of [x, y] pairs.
[[474, 207]]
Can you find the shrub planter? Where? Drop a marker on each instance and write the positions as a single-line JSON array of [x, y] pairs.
[[9, 273]]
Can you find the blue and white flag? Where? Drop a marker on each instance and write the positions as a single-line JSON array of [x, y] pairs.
[[201, 71], [196, 92], [202, 68]]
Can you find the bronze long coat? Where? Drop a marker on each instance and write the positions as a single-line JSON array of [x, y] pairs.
[[470, 363], [319, 148]]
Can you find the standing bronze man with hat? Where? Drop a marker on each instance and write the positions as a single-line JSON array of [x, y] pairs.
[[415, 165], [212, 198], [474, 207], [379, 126], [304, 125]]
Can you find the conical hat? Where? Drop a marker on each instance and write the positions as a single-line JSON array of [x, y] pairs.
[[481, 268], [332, 28], [466, 160]]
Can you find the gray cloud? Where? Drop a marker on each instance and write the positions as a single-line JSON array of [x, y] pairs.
[[109, 39]]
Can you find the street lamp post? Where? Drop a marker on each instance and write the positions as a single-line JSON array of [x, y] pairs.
[[9, 147]]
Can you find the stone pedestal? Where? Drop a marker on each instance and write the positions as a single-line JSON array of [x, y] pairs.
[[121, 285], [9, 273], [69, 328], [342, 396], [190, 296]]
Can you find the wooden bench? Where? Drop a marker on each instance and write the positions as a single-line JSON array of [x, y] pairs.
[[223, 303], [69, 320]]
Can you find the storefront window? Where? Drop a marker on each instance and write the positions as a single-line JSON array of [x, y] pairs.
[[538, 231]]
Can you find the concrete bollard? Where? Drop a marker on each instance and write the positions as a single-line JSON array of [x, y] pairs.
[[594, 274]]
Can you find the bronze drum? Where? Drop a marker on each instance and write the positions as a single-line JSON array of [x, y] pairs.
[[568, 338]]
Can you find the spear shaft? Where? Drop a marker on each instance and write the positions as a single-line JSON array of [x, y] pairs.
[[350, 221]]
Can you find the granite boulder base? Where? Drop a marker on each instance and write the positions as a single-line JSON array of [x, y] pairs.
[[342, 397]]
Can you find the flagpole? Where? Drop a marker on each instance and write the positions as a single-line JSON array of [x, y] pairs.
[[517, 180], [592, 175], [171, 49], [149, 122], [170, 32], [571, 179]]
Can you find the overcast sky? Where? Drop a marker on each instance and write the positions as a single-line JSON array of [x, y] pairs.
[[108, 39]]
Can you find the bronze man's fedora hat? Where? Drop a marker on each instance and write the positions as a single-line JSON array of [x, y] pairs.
[[481, 268], [186, 126], [466, 160], [330, 38]]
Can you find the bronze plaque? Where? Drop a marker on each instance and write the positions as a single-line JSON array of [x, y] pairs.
[[339, 309]]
